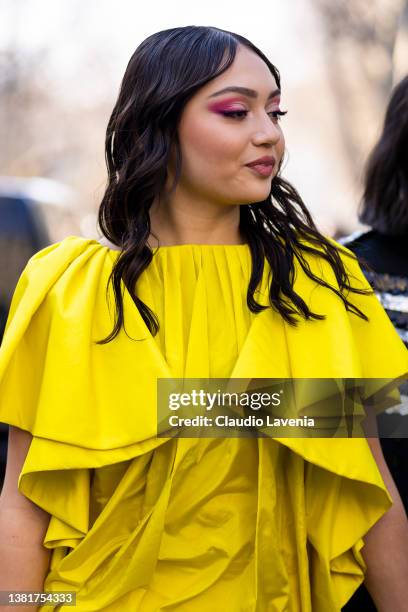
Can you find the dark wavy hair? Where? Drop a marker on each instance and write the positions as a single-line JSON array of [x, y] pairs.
[[384, 205], [164, 72]]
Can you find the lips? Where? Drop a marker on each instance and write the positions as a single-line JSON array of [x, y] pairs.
[[262, 169], [263, 161]]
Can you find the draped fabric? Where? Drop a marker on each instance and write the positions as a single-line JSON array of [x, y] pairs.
[[144, 523]]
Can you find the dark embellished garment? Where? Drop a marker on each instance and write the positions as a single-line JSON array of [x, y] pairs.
[[393, 293]]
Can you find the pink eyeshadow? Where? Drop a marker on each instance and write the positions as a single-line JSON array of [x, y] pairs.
[[224, 105]]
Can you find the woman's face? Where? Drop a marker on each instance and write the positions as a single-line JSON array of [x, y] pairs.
[[220, 133]]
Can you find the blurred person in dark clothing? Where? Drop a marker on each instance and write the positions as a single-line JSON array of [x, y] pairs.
[[383, 249], [383, 253]]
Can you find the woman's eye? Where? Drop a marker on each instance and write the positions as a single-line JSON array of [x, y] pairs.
[[234, 113], [277, 114], [240, 113]]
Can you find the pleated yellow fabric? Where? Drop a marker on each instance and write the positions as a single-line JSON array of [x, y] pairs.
[[146, 523]]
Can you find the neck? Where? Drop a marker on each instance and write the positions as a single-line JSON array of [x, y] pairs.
[[180, 222]]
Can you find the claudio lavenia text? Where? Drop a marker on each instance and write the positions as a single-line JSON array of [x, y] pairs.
[[223, 420]]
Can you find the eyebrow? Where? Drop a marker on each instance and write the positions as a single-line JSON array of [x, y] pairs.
[[251, 93]]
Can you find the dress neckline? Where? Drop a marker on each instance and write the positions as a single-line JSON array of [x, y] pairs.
[[196, 246], [199, 247]]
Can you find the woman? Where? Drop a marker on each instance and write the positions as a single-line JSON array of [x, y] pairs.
[[134, 521]]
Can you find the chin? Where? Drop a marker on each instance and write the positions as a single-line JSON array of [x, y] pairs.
[[258, 195]]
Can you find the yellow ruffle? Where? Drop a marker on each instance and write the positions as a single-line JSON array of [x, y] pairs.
[[139, 522]]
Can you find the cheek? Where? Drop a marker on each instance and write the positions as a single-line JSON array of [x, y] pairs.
[[209, 143]]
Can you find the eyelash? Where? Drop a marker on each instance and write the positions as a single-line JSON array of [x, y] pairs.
[[275, 114]]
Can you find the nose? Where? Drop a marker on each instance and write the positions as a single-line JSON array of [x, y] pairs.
[[267, 131]]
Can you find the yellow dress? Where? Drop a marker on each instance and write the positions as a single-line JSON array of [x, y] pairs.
[[190, 524]]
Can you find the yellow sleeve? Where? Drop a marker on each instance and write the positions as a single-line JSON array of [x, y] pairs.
[[28, 355], [75, 397], [24, 350]]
